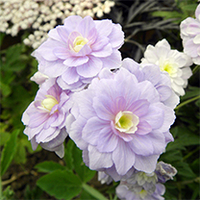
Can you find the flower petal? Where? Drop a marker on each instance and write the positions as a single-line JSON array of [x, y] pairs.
[[123, 157], [98, 160], [91, 68]]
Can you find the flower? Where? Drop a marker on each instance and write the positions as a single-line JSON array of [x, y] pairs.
[[77, 51], [190, 34], [172, 62], [45, 118], [41, 16], [120, 124], [146, 186], [158, 78], [165, 171]]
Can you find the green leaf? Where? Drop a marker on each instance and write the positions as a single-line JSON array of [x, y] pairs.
[[191, 92], [93, 192], [9, 151], [187, 137], [62, 184], [81, 169], [171, 156], [68, 154], [20, 154], [49, 166], [5, 89], [74, 161], [4, 137], [184, 170], [85, 195]]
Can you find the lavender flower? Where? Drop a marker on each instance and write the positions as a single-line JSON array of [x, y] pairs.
[[77, 51], [45, 118], [190, 34], [146, 186], [165, 171], [120, 124], [158, 78], [172, 62]]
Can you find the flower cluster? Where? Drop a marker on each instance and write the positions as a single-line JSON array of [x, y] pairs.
[[144, 186], [190, 34], [118, 112], [42, 16]]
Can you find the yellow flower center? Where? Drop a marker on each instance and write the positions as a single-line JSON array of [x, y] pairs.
[[143, 193], [79, 42], [49, 102], [168, 67], [126, 122]]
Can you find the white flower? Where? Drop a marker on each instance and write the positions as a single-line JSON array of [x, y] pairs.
[[42, 15], [176, 64]]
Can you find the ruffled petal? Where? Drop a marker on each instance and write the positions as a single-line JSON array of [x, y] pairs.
[[123, 157]]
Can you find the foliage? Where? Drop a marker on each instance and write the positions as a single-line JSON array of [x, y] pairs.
[[71, 180], [183, 9], [144, 22]]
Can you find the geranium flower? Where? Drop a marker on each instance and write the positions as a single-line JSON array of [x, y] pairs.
[[146, 186], [172, 62], [45, 118], [190, 34], [76, 51], [120, 124]]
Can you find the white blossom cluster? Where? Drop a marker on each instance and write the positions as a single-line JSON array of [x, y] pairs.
[[40, 16]]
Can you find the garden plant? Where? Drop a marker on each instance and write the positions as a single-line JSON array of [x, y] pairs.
[[100, 99]]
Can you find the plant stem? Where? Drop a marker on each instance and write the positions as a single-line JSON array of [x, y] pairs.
[[195, 69], [190, 153], [197, 179], [135, 43], [186, 102], [93, 192]]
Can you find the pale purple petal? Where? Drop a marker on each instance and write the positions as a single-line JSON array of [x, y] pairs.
[[116, 36], [142, 145], [108, 141], [91, 68], [70, 76], [98, 160], [123, 157], [104, 27], [85, 26], [92, 129], [76, 61], [146, 163]]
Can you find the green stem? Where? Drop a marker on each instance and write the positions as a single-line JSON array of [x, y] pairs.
[[186, 102], [191, 153], [93, 192], [115, 198], [197, 179], [195, 69], [135, 43]]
